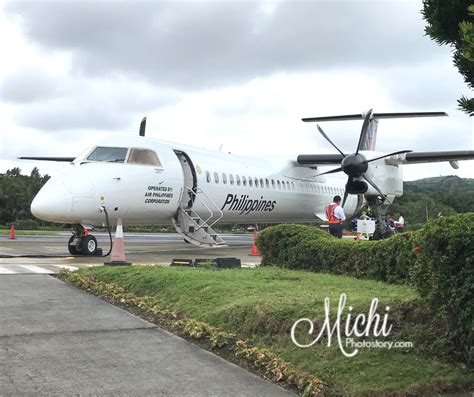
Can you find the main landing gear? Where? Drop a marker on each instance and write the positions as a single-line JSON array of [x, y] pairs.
[[380, 207], [83, 243]]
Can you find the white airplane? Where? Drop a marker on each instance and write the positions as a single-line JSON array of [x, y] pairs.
[[151, 182]]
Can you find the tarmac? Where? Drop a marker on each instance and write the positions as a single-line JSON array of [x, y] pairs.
[[58, 340], [17, 256]]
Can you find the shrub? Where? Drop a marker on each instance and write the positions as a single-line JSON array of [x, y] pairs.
[[444, 275], [305, 247], [437, 260]]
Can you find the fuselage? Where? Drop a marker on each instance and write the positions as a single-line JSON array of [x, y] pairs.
[[144, 188]]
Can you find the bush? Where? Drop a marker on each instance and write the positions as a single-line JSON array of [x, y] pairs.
[[437, 260], [444, 275], [304, 247]]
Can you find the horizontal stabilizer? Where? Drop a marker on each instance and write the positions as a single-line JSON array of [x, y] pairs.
[[361, 116], [64, 159]]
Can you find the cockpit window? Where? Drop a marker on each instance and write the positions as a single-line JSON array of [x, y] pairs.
[[110, 154], [143, 156]]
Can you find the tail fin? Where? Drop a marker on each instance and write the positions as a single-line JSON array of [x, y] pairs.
[[370, 138]]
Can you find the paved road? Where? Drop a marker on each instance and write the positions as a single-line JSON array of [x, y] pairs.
[[57, 340]]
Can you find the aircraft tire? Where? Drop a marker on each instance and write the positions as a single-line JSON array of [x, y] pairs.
[[89, 245], [72, 247]]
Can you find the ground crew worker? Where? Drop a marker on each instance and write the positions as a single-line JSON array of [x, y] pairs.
[[400, 224], [336, 216]]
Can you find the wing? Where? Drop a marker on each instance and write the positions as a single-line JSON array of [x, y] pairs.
[[319, 159], [430, 157], [64, 159]]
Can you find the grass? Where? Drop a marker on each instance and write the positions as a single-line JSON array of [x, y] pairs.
[[30, 233], [262, 304]]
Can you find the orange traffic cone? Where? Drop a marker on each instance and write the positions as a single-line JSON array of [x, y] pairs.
[[118, 249], [254, 251], [12, 233]]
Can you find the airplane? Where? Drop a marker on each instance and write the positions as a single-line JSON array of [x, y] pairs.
[[152, 182]]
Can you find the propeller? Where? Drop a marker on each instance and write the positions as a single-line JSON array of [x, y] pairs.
[[355, 165]]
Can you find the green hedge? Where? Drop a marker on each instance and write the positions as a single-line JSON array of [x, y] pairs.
[[437, 260], [305, 247]]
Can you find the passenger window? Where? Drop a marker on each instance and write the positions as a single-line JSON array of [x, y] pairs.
[[224, 178], [256, 182], [144, 157], [283, 185], [261, 183], [231, 179], [293, 187], [279, 184], [273, 183], [267, 183], [208, 177], [250, 181], [244, 181], [237, 180], [216, 177], [109, 154]]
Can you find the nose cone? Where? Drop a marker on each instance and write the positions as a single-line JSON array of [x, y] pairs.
[[51, 202]]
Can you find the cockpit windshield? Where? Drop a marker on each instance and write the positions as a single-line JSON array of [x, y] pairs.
[[110, 154]]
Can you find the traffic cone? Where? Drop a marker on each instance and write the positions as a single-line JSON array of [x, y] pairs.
[[254, 251], [12, 233], [118, 249]]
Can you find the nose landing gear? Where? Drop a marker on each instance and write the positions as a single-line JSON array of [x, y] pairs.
[[82, 243]]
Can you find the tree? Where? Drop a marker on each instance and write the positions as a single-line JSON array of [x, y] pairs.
[[449, 22]]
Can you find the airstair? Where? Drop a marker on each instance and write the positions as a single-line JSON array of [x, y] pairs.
[[192, 226]]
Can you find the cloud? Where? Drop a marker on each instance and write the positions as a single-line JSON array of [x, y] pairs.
[[29, 85], [193, 45]]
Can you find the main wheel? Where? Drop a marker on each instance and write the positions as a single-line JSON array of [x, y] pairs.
[[89, 245], [71, 246]]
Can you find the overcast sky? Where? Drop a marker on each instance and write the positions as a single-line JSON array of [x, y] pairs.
[[236, 73]]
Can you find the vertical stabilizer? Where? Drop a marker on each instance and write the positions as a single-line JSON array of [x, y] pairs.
[[370, 139]]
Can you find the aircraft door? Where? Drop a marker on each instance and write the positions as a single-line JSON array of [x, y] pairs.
[[190, 179]]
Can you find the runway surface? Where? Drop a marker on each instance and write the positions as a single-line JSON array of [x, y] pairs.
[[58, 340], [140, 248]]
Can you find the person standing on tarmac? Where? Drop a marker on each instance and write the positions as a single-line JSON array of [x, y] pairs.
[[336, 216]]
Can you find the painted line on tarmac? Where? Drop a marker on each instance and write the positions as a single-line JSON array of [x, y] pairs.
[[36, 269], [4, 270]]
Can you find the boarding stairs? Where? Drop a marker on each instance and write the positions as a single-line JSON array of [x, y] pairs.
[[195, 229]]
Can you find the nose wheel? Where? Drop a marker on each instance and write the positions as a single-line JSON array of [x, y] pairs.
[[82, 243]]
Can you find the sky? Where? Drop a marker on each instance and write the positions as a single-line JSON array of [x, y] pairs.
[[240, 74]]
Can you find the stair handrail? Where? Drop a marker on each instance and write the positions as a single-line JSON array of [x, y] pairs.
[[195, 192]]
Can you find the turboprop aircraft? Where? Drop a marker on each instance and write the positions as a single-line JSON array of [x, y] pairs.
[[151, 182]]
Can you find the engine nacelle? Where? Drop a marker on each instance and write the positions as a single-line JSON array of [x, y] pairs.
[[357, 187]]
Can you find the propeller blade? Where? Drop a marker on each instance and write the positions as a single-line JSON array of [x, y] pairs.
[[346, 193], [363, 131], [327, 139], [390, 154], [330, 172], [372, 183], [142, 127]]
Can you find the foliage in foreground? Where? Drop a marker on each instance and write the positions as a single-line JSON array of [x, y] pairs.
[[437, 260], [450, 22], [260, 305], [273, 366]]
